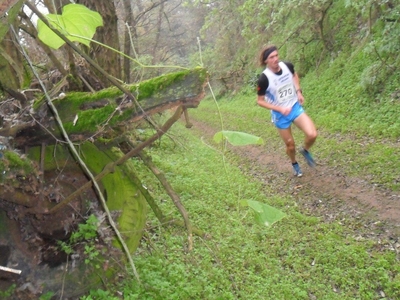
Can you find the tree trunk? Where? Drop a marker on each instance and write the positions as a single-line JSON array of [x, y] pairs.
[[11, 64], [126, 65], [158, 32], [108, 59]]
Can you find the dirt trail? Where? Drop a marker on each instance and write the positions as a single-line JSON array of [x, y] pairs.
[[323, 191]]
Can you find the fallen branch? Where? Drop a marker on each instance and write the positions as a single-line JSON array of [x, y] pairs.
[[170, 191], [10, 270], [159, 214]]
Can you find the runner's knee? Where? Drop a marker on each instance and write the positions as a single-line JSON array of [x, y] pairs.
[[312, 136], [290, 144]]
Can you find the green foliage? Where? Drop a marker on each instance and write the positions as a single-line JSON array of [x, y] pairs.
[[373, 79], [353, 97], [299, 257], [91, 255], [264, 214], [384, 26], [86, 233], [310, 34], [99, 295], [47, 296], [77, 23], [6, 294]]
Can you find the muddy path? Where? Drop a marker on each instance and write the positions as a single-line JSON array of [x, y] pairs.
[[366, 210]]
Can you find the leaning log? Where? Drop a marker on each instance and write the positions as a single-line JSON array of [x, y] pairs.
[[90, 115]]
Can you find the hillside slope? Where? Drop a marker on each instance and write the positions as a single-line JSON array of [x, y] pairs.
[[324, 191], [330, 191]]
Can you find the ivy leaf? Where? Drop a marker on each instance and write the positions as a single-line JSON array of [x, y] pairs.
[[76, 20], [237, 138], [265, 214]]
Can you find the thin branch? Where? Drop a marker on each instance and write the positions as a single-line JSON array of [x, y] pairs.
[[6, 269], [80, 161], [85, 56], [111, 166], [90, 61], [172, 194]]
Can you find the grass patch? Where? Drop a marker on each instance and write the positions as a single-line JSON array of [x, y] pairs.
[[370, 156], [300, 257]]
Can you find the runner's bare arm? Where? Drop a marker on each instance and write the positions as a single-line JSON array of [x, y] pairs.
[[299, 92], [261, 102]]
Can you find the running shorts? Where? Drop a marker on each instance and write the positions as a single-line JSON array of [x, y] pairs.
[[284, 122]]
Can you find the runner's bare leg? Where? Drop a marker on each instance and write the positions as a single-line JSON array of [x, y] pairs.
[[287, 137], [305, 124]]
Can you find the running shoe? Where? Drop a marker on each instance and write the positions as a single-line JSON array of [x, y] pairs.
[[296, 170], [307, 155]]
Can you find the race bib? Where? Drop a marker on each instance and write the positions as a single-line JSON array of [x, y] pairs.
[[285, 93]]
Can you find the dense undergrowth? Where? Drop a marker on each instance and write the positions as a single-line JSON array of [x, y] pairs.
[[301, 257]]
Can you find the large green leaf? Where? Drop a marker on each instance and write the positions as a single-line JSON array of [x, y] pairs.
[[76, 21], [237, 138], [265, 214]]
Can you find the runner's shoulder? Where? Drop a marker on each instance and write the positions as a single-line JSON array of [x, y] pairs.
[[289, 65]]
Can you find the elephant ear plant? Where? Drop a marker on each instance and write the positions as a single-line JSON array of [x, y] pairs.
[[264, 213]]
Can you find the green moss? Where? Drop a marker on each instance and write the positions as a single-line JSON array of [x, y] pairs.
[[89, 120], [103, 140], [150, 93], [55, 156], [14, 162], [122, 194], [147, 88]]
